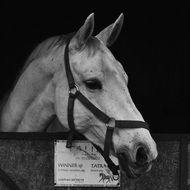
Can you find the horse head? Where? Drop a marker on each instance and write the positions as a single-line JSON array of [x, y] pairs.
[[102, 79]]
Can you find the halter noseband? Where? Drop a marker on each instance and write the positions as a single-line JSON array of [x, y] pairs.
[[110, 123]]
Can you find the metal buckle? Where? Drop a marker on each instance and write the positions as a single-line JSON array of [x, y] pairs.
[[111, 123], [74, 89]]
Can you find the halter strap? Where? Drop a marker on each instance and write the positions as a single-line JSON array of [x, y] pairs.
[[111, 123], [69, 74]]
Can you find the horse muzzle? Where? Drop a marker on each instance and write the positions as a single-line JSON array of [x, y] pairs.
[[134, 168]]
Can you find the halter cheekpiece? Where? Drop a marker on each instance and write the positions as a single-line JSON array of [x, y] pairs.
[[110, 123]]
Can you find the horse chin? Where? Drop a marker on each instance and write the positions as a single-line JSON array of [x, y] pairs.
[[132, 170], [137, 171]]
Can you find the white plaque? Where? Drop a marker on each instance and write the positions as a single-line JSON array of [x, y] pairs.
[[81, 165]]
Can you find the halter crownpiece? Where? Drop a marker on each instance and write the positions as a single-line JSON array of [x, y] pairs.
[[110, 123]]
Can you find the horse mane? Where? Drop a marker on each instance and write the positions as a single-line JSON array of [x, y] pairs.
[[42, 49]]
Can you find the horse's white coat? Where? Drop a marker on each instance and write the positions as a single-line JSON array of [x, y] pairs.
[[42, 91]]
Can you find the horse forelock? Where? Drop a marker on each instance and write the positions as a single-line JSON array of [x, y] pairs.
[[92, 46]]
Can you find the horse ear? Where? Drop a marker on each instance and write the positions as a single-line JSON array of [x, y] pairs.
[[84, 32], [110, 33]]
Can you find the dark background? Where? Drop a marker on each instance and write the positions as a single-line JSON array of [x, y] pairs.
[[152, 47]]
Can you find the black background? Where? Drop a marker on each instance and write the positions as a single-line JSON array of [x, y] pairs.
[[152, 47]]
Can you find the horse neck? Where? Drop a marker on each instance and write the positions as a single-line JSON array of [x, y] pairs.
[[30, 104]]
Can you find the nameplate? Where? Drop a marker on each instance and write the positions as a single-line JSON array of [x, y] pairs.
[[81, 165]]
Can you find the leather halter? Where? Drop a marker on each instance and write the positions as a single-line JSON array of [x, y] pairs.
[[110, 123]]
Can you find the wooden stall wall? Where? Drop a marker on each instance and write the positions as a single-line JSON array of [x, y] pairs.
[[29, 160]]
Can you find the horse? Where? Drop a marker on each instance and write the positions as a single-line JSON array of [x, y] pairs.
[[41, 94], [104, 177]]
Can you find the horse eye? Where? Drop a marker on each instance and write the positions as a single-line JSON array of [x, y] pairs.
[[93, 84]]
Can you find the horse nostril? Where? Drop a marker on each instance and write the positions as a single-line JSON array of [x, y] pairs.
[[141, 156]]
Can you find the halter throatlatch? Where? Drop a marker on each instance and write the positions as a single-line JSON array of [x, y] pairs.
[[110, 123]]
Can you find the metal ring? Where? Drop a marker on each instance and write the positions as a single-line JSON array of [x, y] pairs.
[[111, 123], [74, 89]]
